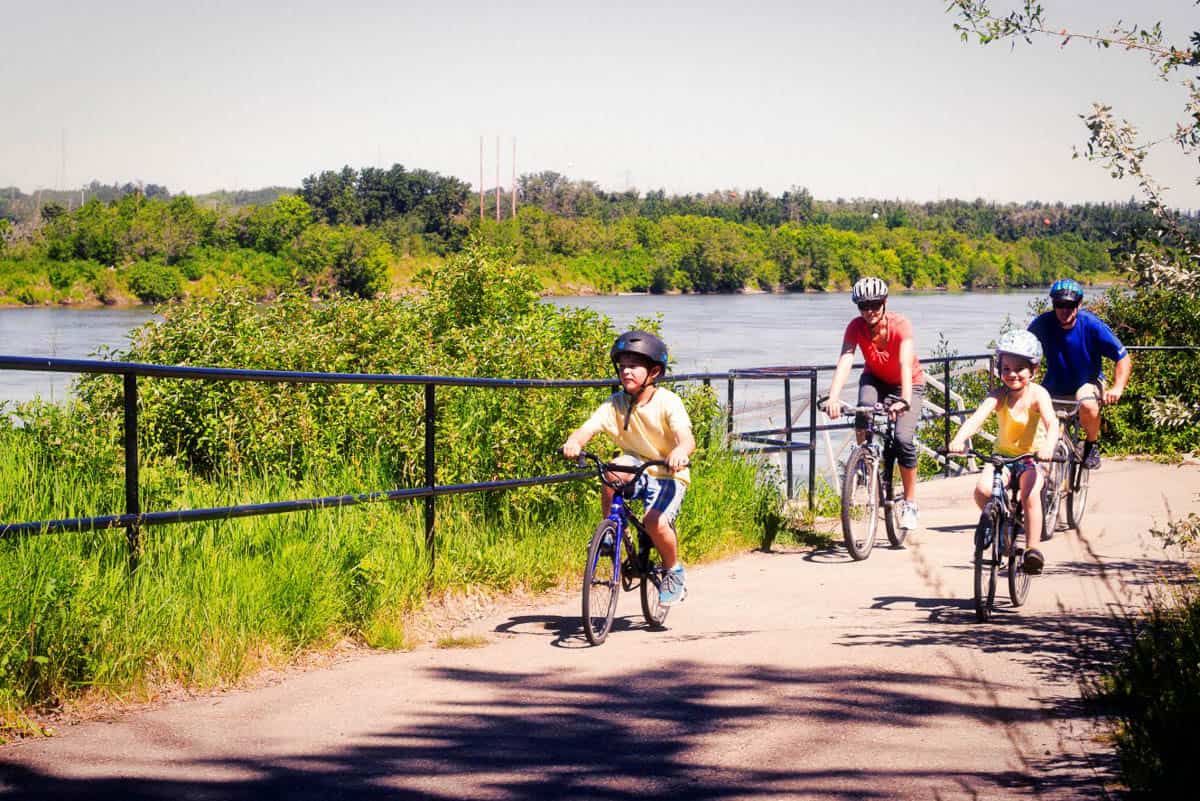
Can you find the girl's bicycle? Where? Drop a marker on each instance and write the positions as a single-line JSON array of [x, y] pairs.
[[871, 488], [1000, 538], [1067, 485], [618, 558]]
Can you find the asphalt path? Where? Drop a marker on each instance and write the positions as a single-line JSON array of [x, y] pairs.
[[789, 674]]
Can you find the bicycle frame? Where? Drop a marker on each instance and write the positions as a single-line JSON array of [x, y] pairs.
[[871, 467], [631, 561], [1002, 517]]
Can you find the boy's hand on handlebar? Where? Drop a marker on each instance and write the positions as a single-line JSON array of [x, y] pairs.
[[956, 447], [571, 450], [678, 459], [1111, 396], [833, 408]]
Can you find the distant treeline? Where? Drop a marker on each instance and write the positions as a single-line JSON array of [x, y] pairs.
[[345, 231]]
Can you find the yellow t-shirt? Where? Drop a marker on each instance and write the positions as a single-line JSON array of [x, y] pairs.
[[1018, 433], [653, 428]]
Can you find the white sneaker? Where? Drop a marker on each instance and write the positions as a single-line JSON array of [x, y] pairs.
[[908, 515]]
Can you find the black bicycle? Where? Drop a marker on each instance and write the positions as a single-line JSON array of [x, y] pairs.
[[1067, 486], [870, 485], [1000, 537], [616, 560]]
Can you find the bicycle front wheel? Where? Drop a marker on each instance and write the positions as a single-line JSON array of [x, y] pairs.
[[1054, 488], [601, 583], [1077, 497], [986, 553], [1018, 579], [860, 503]]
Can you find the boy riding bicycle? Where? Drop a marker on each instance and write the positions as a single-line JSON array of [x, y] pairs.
[[1027, 423], [647, 422]]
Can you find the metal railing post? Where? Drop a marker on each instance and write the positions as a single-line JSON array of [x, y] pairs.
[[787, 430], [946, 413], [430, 471], [812, 438], [729, 410], [708, 430], [133, 504]]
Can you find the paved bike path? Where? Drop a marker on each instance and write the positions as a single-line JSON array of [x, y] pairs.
[[785, 674]]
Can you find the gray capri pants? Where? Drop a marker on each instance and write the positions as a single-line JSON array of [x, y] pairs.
[[871, 390]]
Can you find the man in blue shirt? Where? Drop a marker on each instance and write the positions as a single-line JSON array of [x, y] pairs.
[[1075, 342]]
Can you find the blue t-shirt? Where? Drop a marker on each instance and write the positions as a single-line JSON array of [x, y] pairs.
[[1073, 357]]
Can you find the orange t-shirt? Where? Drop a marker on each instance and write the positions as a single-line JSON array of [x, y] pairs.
[[884, 363]]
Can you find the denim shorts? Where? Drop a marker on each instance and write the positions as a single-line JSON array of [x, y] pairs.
[[665, 495], [1015, 470]]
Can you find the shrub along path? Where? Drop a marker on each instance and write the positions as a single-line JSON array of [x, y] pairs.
[[792, 673]]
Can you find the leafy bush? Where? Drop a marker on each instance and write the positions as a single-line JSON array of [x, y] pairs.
[[1153, 694], [155, 282], [480, 317], [1158, 413]]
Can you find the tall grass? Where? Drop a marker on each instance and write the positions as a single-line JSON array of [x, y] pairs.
[[213, 602]]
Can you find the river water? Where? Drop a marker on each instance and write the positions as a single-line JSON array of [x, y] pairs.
[[705, 332]]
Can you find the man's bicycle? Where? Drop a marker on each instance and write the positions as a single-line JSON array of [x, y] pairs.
[[1000, 538], [871, 488], [1067, 486], [618, 558]]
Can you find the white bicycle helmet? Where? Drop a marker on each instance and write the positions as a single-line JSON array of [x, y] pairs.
[[869, 289], [1020, 343]]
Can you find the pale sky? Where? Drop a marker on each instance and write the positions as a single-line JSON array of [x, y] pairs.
[[858, 98]]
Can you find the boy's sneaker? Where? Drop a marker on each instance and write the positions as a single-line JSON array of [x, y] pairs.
[[606, 544], [672, 588], [1091, 455], [908, 515]]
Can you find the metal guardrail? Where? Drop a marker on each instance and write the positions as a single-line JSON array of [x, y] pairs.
[[764, 441]]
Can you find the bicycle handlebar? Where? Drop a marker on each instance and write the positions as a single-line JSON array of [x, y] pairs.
[[996, 459], [603, 468], [879, 407]]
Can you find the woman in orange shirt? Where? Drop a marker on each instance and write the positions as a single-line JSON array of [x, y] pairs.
[[892, 368]]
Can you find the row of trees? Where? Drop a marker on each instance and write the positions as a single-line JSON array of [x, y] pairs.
[[157, 245], [409, 202], [707, 254]]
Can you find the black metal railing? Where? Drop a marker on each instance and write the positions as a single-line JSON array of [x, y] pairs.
[[782, 439]]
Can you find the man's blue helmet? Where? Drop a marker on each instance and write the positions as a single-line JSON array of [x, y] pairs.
[[1067, 289]]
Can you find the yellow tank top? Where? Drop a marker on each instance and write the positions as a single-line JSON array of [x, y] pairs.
[[1017, 434]]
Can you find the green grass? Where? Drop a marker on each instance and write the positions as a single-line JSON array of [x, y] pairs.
[[214, 602]]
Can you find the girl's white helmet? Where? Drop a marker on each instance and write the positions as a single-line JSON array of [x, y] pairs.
[[1021, 343], [869, 289]]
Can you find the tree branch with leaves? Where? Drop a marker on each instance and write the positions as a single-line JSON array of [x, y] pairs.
[[1169, 255]]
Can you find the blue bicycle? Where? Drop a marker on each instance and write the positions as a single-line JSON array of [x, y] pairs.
[[616, 559]]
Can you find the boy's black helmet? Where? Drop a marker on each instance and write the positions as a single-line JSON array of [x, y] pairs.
[[642, 343]]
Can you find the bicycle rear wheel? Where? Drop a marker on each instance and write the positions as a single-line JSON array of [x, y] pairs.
[[652, 576], [986, 553], [1077, 497], [891, 508], [860, 503], [1054, 488], [601, 583], [1018, 579]]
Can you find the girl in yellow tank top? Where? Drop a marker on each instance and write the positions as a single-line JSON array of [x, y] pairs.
[[1026, 424], [1019, 428]]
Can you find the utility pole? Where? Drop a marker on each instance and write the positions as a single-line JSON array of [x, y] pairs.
[[481, 179], [497, 179], [514, 179]]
